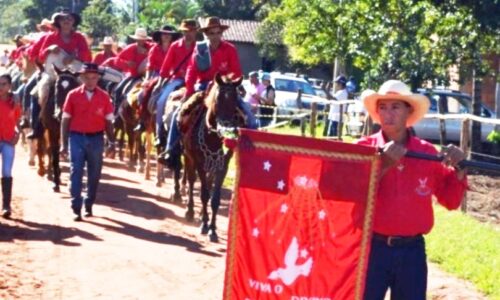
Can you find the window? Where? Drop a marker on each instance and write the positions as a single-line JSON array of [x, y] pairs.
[[288, 85]]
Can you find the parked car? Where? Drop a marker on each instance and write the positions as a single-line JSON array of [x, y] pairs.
[[455, 102]]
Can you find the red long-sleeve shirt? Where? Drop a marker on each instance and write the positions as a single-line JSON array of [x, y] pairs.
[[77, 46], [34, 49], [88, 116], [404, 198], [177, 53], [115, 63], [156, 56], [10, 112], [130, 53], [224, 60], [101, 57]]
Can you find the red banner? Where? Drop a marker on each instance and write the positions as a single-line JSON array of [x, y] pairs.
[[300, 221]]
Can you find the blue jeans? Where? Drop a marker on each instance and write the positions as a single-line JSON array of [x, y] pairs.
[[7, 151], [401, 268], [83, 149], [332, 128], [247, 110], [162, 101]]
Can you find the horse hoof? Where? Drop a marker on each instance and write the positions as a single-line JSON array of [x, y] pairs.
[[41, 172], [204, 229], [158, 184], [189, 216], [214, 238], [56, 188], [141, 169], [31, 163]]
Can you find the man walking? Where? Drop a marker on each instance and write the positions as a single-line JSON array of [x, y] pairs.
[[87, 113]]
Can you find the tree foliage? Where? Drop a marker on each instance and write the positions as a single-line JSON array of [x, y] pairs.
[[156, 13], [415, 41], [99, 19], [39, 9]]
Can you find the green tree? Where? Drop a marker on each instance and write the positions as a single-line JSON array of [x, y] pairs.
[[156, 13], [235, 9], [9, 19], [402, 39], [99, 19], [39, 9]]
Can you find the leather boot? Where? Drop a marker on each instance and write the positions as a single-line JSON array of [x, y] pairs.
[[7, 196]]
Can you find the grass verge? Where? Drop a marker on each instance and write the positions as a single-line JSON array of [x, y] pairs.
[[466, 248]]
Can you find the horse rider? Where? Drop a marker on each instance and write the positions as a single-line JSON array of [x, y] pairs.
[[209, 58], [65, 38], [133, 58], [30, 102], [106, 52], [173, 71], [10, 110], [87, 114], [163, 39]]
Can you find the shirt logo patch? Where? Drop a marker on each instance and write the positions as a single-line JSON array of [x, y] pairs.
[[423, 189]]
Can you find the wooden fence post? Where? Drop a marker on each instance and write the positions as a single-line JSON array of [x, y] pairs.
[[314, 115], [465, 146], [341, 122]]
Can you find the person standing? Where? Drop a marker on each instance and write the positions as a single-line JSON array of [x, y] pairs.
[[266, 98], [403, 205], [252, 97], [334, 114], [87, 114], [10, 110]]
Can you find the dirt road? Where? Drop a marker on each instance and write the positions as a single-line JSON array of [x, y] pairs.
[[137, 246]]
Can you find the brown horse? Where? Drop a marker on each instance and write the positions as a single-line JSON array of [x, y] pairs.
[[204, 152]]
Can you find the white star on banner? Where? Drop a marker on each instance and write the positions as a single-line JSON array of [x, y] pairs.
[[281, 185], [284, 208], [267, 166], [302, 181], [304, 253], [322, 214], [255, 232]]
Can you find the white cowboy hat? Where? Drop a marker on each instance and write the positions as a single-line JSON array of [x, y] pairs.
[[397, 90], [140, 34], [107, 41]]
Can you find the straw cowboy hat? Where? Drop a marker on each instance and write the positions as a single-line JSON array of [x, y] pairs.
[[140, 34], [397, 90], [45, 23], [64, 12], [107, 41], [188, 25], [167, 29], [213, 22], [90, 68]]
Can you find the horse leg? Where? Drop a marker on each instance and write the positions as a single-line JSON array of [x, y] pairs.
[[50, 171], [215, 199], [54, 146], [160, 171], [184, 180], [31, 151], [177, 197], [141, 151], [147, 143], [191, 179], [205, 196], [40, 152]]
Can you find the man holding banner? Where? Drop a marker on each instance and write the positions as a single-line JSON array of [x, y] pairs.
[[403, 209]]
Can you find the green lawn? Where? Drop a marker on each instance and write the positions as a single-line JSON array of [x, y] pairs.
[[466, 248]]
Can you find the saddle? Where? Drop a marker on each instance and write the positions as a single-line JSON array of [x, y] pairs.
[[190, 111]]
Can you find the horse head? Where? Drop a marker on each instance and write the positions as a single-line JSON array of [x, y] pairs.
[[222, 102], [65, 82]]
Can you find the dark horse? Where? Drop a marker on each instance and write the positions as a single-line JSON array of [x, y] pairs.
[[204, 152], [50, 116]]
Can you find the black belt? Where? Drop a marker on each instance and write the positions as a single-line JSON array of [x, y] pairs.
[[88, 133], [392, 241]]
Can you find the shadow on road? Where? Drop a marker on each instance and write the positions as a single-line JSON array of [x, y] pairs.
[[43, 232], [155, 237]]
